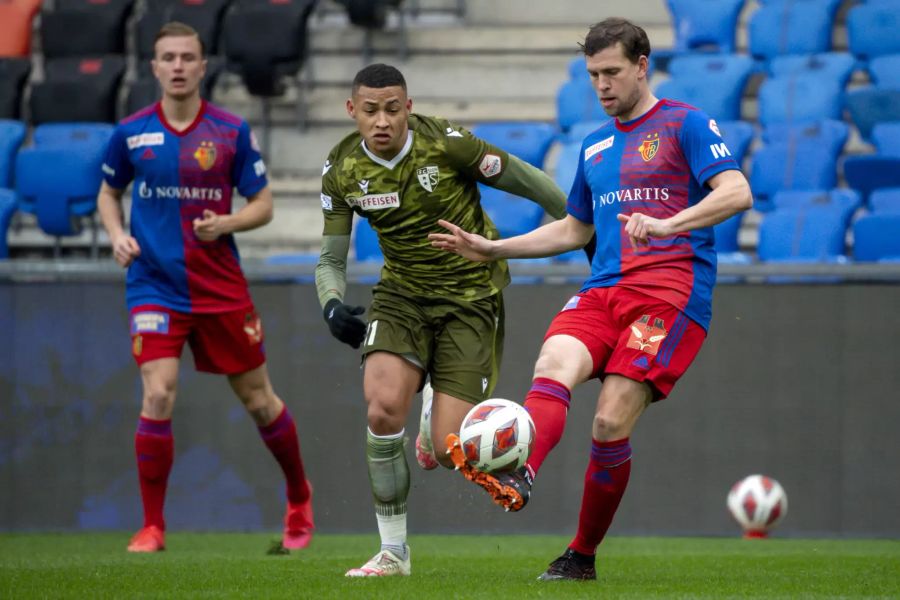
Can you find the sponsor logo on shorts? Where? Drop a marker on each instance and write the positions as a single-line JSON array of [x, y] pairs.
[[149, 322], [646, 334], [490, 165], [145, 139], [253, 327], [572, 303]]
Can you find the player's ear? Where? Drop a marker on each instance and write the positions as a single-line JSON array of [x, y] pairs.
[[154, 68], [643, 65], [203, 64], [409, 105], [350, 110]]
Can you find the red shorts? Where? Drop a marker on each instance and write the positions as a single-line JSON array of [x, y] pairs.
[[631, 334], [226, 343]]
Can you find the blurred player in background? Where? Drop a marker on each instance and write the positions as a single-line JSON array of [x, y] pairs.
[[432, 314], [651, 182], [184, 277]]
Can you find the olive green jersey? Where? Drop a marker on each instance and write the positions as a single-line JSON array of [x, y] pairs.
[[434, 177]]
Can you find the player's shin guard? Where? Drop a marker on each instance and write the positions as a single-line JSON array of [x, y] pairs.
[[389, 478], [604, 483], [154, 448], [548, 403], [280, 437]]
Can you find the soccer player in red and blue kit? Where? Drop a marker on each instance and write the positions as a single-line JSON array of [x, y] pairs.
[[651, 182], [185, 284]]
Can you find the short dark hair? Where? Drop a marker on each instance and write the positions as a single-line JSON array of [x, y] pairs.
[[178, 29], [378, 75], [614, 30]]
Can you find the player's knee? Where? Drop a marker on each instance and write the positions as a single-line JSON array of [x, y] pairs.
[[158, 401], [608, 427], [549, 365], [384, 417]]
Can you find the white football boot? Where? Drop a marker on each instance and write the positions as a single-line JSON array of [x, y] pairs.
[[383, 564], [424, 447]]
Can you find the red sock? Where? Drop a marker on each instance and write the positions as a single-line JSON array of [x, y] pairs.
[[604, 483], [547, 402], [280, 437], [154, 448]]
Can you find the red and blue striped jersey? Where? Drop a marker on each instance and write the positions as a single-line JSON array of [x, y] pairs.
[[658, 165], [177, 175]]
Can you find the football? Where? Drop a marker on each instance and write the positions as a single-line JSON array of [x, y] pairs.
[[497, 436], [757, 503]]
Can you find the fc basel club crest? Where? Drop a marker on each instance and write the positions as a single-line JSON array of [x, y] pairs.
[[646, 337], [206, 155], [428, 177], [649, 146]]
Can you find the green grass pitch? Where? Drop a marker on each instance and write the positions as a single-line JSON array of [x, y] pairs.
[[236, 566]]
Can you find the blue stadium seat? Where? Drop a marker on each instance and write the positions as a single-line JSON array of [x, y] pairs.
[[11, 135], [365, 242], [872, 30], [885, 136], [511, 214], [576, 101], [578, 68], [738, 136], [529, 279], [726, 234], [868, 173], [567, 164], [829, 134], [60, 197], [54, 134], [870, 106], [788, 27], [7, 210], [704, 25], [875, 237], [527, 140], [885, 70], [829, 66], [885, 200], [843, 200], [800, 235], [581, 130], [690, 83], [798, 99], [796, 158]]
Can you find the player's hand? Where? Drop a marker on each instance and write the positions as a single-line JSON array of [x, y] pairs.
[[343, 322], [640, 228], [210, 227], [468, 245], [125, 249]]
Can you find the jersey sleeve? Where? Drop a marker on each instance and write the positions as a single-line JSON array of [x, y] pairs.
[[249, 170], [703, 147], [475, 157], [338, 214], [580, 203], [117, 168]]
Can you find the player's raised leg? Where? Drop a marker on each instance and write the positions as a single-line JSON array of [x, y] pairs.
[[279, 432], [389, 383], [155, 449]]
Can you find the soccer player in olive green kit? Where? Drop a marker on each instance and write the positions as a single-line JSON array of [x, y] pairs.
[[433, 313]]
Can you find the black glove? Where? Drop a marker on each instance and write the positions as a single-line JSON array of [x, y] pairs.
[[342, 322], [590, 248]]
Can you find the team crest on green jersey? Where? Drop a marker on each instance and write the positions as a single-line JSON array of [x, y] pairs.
[[429, 177]]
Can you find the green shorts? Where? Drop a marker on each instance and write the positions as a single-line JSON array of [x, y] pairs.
[[458, 343]]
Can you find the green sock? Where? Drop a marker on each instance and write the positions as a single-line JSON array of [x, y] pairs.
[[388, 472]]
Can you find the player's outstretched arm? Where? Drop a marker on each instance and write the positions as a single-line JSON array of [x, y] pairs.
[[548, 240], [109, 204]]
